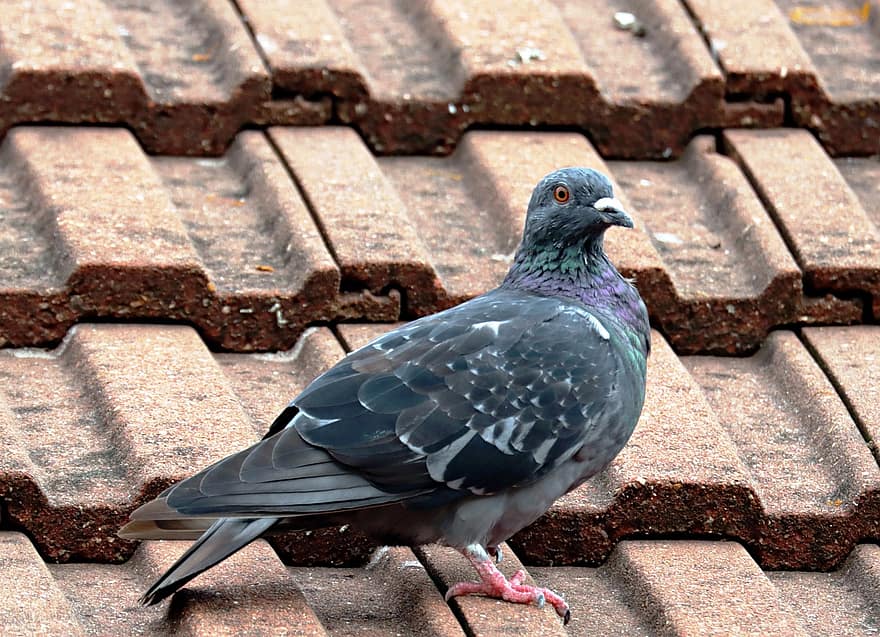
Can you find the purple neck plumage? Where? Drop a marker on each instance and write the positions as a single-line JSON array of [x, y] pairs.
[[581, 273]]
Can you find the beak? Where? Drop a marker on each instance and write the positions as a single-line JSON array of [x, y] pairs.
[[611, 210]]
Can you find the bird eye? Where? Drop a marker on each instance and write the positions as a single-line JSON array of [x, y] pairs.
[[561, 194]]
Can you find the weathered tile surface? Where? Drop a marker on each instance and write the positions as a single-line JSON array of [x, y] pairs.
[[96, 228], [851, 358], [411, 77], [392, 594], [822, 56], [833, 237], [256, 245], [184, 77], [759, 243]]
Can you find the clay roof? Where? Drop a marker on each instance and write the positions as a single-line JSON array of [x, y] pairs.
[[203, 205]]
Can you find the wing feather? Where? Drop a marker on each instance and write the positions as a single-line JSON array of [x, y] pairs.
[[488, 395]]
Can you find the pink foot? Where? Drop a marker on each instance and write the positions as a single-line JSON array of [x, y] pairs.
[[494, 584]]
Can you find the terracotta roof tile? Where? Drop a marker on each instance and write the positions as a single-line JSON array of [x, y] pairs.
[[431, 71], [392, 594], [368, 231], [851, 358], [799, 494], [842, 602], [250, 592], [677, 588], [759, 243], [731, 272], [36, 606], [184, 78], [232, 244], [97, 228], [829, 231], [820, 56]]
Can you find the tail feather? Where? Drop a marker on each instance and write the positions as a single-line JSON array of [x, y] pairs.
[[222, 539], [157, 521]]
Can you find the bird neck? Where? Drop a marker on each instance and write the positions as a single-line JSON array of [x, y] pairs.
[[580, 273]]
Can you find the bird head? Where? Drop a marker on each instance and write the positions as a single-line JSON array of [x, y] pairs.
[[573, 206]]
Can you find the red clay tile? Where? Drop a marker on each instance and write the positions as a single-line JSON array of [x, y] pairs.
[[482, 615], [820, 56], [843, 602], [119, 412], [851, 358], [724, 447], [831, 235], [412, 78], [731, 450], [733, 276], [437, 230], [183, 78], [675, 588], [105, 422], [95, 228], [493, 173], [250, 593], [718, 289], [31, 602], [679, 473], [798, 499], [376, 245], [392, 594], [265, 384], [812, 473], [762, 450]]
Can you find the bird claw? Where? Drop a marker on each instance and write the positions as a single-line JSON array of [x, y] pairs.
[[496, 553], [494, 584]]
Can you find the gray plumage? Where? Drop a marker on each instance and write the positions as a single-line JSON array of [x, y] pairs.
[[459, 428]]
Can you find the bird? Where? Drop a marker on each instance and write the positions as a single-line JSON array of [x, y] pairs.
[[458, 428]]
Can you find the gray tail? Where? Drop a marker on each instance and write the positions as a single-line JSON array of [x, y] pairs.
[[222, 539]]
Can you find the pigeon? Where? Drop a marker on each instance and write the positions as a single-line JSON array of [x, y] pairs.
[[459, 428]]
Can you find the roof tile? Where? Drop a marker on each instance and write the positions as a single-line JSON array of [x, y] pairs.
[[851, 358], [184, 78], [372, 239], [298, 247], [843, 602], [36, 605], [831, 235], [97, 228], [392, 594], [731, 271], [251, 592], [98, 426], [674, 588], [413, 78], [820, 56]]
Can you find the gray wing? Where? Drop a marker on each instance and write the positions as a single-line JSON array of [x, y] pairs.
[[489, 395]]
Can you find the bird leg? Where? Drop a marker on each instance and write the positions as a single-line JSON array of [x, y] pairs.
[[493, 584]]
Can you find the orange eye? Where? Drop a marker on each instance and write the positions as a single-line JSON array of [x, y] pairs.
[[561, 194]]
